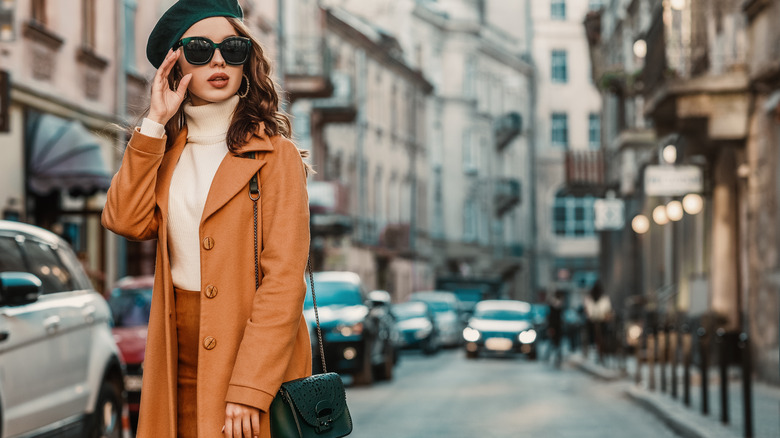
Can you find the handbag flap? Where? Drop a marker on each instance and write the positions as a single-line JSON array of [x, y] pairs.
[[318, 398]]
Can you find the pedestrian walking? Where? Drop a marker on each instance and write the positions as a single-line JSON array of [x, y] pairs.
[[220, 342], [598, 309], [555, 327]]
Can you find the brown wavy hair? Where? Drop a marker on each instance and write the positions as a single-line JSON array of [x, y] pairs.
[[261, 103]]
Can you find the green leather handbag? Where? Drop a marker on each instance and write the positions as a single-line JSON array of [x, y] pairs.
[[310, 407]]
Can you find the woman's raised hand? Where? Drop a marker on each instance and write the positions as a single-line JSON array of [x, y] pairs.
[[165, 102]]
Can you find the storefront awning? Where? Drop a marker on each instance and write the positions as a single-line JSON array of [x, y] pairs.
[[63, 154]]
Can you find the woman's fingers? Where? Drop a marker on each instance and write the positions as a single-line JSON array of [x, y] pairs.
[[246, 423], [183, 84], [255, 420], [228, 429]]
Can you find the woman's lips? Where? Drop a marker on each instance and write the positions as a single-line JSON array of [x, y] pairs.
[[219, 80]]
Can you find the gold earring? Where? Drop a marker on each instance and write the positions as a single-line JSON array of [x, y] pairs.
[[246, 92]]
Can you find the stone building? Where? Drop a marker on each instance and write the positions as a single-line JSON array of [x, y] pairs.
[[567, 136], [703, 77], [475, 55]]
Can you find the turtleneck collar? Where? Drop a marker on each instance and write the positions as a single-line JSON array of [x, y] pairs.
[[208, 124]]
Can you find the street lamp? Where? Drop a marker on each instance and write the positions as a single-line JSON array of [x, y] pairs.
[[640, 49], [674, 211], [659, 215], [692, 203], [640, 224]]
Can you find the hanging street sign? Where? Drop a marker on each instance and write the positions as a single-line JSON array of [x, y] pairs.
[[667, 180], [608, 214]]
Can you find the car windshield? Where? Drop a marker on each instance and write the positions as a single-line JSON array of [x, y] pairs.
[[409, 311], [503, 315], [130, 307], [334, 293]]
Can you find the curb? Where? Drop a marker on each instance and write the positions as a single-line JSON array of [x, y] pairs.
[[596, 370], [678, 418]]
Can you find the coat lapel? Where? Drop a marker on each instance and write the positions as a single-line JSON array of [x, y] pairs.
[[165, 172], [234, 173]]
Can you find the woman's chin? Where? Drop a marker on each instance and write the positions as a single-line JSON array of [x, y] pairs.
[[211, 96]]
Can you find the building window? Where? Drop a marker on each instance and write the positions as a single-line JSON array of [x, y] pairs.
[[560, 129], [558, 9], [470, 157], [89, 17], [595, 5], [130, 12], [558, 66], [594, 131], [573, 216], [470, 219], [39, 11]]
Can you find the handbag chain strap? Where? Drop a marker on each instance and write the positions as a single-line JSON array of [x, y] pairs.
[[254, 195]]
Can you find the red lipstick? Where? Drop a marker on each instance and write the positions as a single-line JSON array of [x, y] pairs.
[[218, 80]]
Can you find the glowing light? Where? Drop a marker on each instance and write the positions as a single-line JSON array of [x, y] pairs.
[[640, 48], [674, 211], [527, 336], [659, 215], [640, 224], [670, 154], [677, 5], [692, 203], [470, 334]]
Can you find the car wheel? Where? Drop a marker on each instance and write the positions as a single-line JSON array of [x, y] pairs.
[[365, 376], [471, 354], [107, 418], [430, 347], [532, 354]]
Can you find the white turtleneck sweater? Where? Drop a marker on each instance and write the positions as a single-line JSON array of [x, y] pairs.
[[207, 127]]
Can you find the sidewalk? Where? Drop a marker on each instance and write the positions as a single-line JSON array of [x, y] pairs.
[[689, 422]]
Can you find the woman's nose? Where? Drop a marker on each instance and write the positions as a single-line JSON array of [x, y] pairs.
[[217, 59]]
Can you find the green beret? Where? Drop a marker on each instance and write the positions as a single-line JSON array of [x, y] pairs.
[[180, 17]]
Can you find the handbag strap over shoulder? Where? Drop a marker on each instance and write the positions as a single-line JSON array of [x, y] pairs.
[[254, 195]]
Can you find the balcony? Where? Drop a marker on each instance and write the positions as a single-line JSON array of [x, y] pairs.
[[507, 195], [340, 107], [307, 64], [506, 128], [396, 237], [585, 171], [329, 208]]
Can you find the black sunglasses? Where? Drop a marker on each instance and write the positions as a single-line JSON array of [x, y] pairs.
[[200, 50]]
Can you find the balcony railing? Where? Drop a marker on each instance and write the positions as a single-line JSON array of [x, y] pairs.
[[396, 237], [506, 128], [585, 170], [329, 207], [307, 66], [507, 195], [341, 106]]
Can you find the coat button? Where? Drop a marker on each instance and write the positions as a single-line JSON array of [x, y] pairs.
[[211, 291], [208, 243], [209, 343]]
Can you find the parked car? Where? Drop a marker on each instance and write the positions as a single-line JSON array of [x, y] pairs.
[[501, 327], [130, 301], [61, 373], [446, 307], [357, 336], [416, 326]]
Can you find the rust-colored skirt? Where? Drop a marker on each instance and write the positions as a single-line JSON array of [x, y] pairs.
[[187, 328]]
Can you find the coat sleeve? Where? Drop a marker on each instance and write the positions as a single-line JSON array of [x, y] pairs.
[[131, 201], [278, 303]]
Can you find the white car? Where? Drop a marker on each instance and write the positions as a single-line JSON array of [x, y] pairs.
[[445, 306], [60, 369]]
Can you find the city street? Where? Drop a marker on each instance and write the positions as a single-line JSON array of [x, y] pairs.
[[449, 396]]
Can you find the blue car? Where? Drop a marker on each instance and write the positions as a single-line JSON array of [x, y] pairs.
[[356, 331], [416, 326]]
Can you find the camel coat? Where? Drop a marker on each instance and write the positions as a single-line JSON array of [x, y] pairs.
[[252, 340]]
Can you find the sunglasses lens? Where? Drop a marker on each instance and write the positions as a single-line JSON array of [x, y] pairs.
[[198, 51], [234, 50]]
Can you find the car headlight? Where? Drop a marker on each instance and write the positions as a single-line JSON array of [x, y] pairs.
[[423, 332], [527, 337], [471, 334], [350, 329]]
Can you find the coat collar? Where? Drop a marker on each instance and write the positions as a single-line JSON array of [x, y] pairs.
[[233, 174]]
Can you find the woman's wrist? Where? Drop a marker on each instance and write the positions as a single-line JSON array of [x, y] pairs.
[[152, 128]]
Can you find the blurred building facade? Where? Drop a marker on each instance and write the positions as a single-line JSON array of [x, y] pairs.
[[569, 169], [476, 56], [691, 86]]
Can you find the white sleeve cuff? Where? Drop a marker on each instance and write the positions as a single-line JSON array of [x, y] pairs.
[[150, 128]]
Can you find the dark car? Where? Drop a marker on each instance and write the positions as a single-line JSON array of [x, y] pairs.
[[130, 301], [357, 334], [501, 327], [416, 326]]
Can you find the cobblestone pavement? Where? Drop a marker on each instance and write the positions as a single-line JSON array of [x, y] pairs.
[[450, 396]]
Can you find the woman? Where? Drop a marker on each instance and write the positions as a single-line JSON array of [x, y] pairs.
[[218, 347]]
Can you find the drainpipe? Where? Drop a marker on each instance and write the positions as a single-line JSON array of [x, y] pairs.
[[534, 250]]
